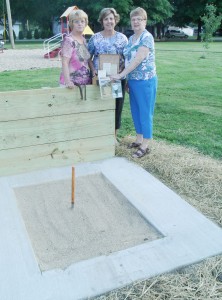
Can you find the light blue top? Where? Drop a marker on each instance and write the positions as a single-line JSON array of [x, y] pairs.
[[147, 68], [98, 44]]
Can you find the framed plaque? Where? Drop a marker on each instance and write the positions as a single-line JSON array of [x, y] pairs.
[[109, 63]]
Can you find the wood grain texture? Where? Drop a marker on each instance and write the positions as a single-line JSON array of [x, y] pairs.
[[50, 102], [37, 135]]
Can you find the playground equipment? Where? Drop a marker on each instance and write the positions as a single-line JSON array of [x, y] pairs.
[[52, 46]]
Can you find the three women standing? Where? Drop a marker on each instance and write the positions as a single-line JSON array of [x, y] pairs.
[[140, 66]]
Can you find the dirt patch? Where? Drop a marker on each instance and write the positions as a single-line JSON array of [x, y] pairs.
[[28, 59]]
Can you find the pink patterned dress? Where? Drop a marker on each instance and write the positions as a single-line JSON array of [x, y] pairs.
[[78, 64]]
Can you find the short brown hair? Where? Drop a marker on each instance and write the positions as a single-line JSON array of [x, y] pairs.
[[75, 15], [105, 12], [139, 12]]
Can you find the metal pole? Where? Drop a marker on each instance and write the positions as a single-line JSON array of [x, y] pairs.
[[10, 24]]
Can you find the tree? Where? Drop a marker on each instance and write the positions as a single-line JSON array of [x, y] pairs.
[[187, 11], [93, 8], [22, 11], [36, 34], [211, 23], [21, 35], [29, 35], [158, 11], [33, 11]]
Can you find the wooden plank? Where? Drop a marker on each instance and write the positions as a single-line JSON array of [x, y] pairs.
[[23, 133], [50, 102], [54, 127], [14, 161]]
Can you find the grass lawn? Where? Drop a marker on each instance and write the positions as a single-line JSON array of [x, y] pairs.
[[189, 102], [24, 44], [29, 79]]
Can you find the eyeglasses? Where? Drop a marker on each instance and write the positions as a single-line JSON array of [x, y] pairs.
[[137, 19], [79, 21]]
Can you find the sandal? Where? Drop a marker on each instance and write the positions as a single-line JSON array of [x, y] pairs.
[[141, 152], [133, 145]]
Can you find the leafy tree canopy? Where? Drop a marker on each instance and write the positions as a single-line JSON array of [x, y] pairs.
[[180, 12], [43, 11], [187, 11], [158, 10]]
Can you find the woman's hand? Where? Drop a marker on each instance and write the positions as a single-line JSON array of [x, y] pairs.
[[94, 73], [70, 85], [115, 77]]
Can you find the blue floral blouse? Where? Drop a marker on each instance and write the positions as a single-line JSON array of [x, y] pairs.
[[98, 44], [147, 68]]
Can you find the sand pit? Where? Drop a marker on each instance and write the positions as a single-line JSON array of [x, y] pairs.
[[101, 222], [33, 240]]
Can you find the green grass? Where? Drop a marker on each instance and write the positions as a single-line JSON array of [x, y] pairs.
[[189, 103], [24, 44], [29, 79]]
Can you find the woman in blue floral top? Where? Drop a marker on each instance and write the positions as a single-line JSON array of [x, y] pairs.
[[109, 41], [140, 70]]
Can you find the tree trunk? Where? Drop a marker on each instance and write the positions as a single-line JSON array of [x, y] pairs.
[[199, 30], [159, 31]]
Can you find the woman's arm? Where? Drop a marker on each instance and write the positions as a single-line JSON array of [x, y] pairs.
[[91, 66], [91, 49], [65, 70], [140, 55]]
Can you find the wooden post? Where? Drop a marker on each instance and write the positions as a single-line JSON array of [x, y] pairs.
[[10, 24], [73, 186]]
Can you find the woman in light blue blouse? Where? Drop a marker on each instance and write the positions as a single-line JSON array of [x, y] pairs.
[[140, 70], [109, 41]]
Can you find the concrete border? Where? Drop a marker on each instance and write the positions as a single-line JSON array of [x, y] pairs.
[[189, 237]]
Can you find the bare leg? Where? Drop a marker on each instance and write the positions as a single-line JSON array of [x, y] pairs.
[[145, 144], [139, 139], [142, 150]]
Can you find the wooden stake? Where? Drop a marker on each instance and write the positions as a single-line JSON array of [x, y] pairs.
[[73, 186]]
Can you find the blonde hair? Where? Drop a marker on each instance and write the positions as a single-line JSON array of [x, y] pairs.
[[105, 12], [139, 12], [76, 15]]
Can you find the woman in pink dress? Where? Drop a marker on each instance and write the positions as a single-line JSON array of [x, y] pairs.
[[76, 60]]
